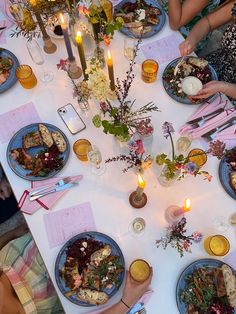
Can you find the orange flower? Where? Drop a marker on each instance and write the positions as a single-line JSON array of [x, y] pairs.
[[107, 40], [83, 10]]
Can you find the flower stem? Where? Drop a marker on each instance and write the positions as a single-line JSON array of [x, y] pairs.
[[172, 145]]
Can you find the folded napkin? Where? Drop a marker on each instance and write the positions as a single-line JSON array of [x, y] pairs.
[[47, 201], [228, 136], [231, 259]]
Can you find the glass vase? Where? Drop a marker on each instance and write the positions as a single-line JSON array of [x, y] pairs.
[[83, 104], [99, 54], [163, 178]]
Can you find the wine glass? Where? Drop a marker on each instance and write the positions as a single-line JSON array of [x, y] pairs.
[[95, 158], [137, 226], [37, 56]]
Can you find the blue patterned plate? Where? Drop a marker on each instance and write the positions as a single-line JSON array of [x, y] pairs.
[[16, 142], [181, 284], [224, 171], [11, 80], [155, 28], [184, 100], [61, 258]]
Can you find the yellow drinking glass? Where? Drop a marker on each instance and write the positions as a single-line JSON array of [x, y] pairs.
[[149, 70], [139, 270], [80, 148], [216, 245], [25, 76]]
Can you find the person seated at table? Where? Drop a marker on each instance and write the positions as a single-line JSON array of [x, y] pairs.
[[183, 15], [223, 59], [25, 286], [133, 291]]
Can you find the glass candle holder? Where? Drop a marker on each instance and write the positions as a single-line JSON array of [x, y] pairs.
[[25, 76], [216, 245], [149, 71], [139, 270], [81, 148]]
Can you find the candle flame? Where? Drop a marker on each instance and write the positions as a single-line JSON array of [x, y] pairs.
[[141, 182], [62, 18], [187, 204], [108, 55], [78, 37]]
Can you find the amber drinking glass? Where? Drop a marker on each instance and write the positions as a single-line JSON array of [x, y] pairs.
[[25, 76], [149, 71], [216, 245], [139, 270], [81, 148]]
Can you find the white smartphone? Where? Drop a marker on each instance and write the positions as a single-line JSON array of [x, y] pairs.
[[71, 118]]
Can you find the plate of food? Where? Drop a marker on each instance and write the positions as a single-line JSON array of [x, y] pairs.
[[227, 172], [207, 286], [142, 18], [89, 269], [197, 70], [8, 65], [38, 151]]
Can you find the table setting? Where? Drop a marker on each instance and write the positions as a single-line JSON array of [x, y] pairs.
[[114, 165]]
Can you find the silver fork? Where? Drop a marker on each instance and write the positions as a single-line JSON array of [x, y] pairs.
[[143, 311], [59, 183]]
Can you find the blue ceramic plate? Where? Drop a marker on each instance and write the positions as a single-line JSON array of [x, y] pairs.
[[155, 28], [61, 258], [16, 142], [184, 100], [11, 80], [224, 171], [181, 284]]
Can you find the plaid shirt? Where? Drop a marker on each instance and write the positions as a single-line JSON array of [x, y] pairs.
[[23, 265]]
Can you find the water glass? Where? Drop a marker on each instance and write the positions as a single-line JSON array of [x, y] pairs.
[[183, 143], [25, 76], [129, 48], [95, 158], [137, 226]]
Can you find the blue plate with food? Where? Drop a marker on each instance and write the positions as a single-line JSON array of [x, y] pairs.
[[8, 65], [89, 269], [38, 151], [205, 287], [190, 67], [227, 172], [142, 18]]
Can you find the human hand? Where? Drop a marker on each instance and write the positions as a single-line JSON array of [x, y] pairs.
[[5, 189], [186, 47], [134, 290], [209, 89]]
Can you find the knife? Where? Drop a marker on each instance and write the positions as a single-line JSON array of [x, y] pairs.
[[2, 28], [212, 134], [208, 116], [57, 189]]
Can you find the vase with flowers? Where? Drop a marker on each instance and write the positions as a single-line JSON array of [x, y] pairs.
[[177, 166]]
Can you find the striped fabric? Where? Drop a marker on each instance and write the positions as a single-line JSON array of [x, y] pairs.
[[23, 265]]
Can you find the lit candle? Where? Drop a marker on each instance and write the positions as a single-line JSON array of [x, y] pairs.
[[66, 37], [79, 42], [187, 207], [140, 188], [110, 71], [38, 18]]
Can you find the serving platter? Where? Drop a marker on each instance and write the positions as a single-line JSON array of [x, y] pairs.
[[61, 259], [224, 171], [16, 142], [11, 80]]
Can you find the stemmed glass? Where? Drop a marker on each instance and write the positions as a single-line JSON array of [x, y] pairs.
[[95, 158], [37, 56]]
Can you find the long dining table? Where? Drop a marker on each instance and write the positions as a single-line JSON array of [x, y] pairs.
[[108, 194]]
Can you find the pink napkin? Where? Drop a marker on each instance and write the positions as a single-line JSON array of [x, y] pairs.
[[228, 136], [28, 207], [3, 39], [7, 20]]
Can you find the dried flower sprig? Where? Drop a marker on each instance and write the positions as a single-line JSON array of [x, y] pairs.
[[175, 236]]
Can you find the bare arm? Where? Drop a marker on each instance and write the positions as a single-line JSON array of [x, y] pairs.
[[204, 26], [182, 13]]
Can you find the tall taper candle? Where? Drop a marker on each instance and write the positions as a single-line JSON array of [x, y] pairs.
[[66, 37], [110, 71], [79, 42]]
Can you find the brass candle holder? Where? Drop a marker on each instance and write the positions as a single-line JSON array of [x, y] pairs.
[[74, 70]]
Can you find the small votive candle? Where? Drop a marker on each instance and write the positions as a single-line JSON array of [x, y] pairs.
[[149, 71], [25, 76]]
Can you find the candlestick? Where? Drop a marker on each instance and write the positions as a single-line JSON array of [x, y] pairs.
[[79, 41], [174, 213], [49, 46], [110, 71], [66, 37], [138, 198]]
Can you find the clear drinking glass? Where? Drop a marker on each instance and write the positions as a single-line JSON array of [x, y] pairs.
[[183, 143], [137, 226], [95, 158], [129, 47], [37, 56]]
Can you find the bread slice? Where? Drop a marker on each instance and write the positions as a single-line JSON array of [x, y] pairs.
[[32, 139], [232, 180], [199, 62], [92, 296], [100, 255], [46, 135], [230, 284], [59, 141]]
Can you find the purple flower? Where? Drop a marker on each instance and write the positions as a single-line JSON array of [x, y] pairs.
[[136, 147], [167, 129], [104, 106], [197, 236], [190, 167]]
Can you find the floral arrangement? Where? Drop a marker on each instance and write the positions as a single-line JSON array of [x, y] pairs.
[[178, 163], [175, 236], [122, 120], [135, 158]]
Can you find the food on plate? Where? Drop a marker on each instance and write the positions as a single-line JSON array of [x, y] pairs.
[[232, 180], [6, 64], [46, 135], [138, 17], [59, 141], [32, 139], [231, 160], [191, 85], [89, 269], [191, 66], [210, 290]]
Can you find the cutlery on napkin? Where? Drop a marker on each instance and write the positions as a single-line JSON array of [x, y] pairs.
[[212, 134], [61, 182]]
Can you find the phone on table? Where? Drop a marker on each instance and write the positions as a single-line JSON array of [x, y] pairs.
[[71, 118]]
